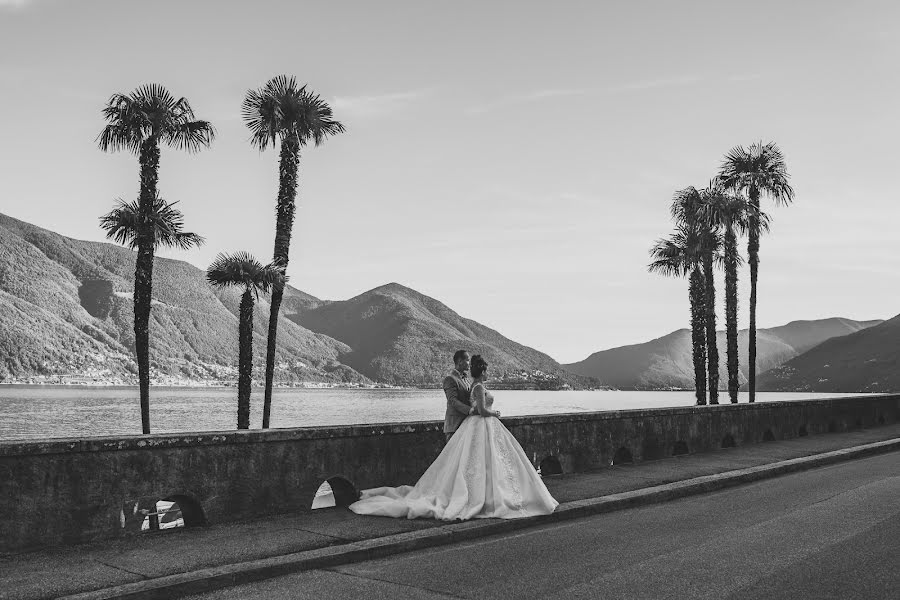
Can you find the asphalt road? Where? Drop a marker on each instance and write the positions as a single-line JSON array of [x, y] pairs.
[[832, 532]]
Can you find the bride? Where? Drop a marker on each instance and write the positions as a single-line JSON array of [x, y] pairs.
[[481, 473]]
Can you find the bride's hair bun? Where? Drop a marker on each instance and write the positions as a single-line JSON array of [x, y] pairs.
[[478, 365]]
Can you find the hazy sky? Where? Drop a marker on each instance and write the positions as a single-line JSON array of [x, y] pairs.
[[515, 160]]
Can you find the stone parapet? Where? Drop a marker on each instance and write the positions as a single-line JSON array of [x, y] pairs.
[[67, 491]]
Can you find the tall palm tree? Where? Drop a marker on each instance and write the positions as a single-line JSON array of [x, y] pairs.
[[677, 256], [132, 225], [687, 205], [756, 171], [731, 213], [140, 122], [280, 111], [242, 270]]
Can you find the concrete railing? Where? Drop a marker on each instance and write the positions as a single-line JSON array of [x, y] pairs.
[[67, 491]]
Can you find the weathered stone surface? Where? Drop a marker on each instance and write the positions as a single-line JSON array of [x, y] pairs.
[[67, 491]]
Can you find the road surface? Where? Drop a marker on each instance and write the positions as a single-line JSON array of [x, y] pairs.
[[832, 532]]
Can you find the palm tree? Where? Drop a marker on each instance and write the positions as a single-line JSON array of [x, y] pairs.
[[756, 171], [280, 111], [140, 122], [677, 256], [132, 225], [687, 205], [242, 270], [730, 213]]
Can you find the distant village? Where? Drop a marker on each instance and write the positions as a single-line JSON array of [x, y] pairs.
[[203, 375], [175, 381], [226, 376]]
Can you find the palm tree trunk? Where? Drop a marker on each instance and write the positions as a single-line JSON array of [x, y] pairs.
[[143, 273], [287, 192], [245, 359], [731, 302], [143, 277], [712, 352], [753, 257], [698, 343]]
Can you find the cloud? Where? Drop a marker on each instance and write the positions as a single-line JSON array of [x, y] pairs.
[[539, 95], [652, 84], [526, 98], [376, 105], [745, 77]]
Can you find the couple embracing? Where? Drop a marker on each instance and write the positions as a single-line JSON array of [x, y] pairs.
[[482, 471]]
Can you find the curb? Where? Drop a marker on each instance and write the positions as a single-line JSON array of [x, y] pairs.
[[205, 580]]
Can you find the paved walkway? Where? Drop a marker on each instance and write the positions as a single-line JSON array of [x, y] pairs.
[[70, 570]]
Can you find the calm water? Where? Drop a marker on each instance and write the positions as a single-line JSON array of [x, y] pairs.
[[33, 412]]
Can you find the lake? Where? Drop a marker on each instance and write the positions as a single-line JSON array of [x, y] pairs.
[[42, 412]]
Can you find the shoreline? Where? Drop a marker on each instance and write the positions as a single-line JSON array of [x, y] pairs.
[[219, 384], [311, 386], [203, 385]]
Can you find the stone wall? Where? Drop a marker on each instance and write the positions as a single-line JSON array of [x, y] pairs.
[[67, 491]]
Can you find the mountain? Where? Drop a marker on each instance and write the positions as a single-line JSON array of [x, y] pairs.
[[666, 362], [400, 336], [865, 361], [66, 311]]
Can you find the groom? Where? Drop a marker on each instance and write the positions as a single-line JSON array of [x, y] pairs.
[[457, 388]]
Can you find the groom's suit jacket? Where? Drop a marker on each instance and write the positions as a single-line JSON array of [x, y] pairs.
[[458, 389]]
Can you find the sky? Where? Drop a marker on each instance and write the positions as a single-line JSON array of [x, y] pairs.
[[515, 160]]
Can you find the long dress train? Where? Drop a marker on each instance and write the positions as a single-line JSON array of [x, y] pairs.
[[481, 473]]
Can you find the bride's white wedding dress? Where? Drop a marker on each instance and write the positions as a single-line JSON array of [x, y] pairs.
[[481, 473]]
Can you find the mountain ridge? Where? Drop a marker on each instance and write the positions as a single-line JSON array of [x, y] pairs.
[[74, 297], [66, 311], [666, 362], [867, 360], [383, 323]]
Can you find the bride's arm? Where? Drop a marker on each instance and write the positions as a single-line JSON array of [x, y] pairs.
[[478, 396]]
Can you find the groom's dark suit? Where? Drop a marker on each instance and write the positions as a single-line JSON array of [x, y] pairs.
[[457, 388]]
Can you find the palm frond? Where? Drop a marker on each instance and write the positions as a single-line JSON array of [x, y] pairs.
[[763, 220], [760, 167], [260, 114], [667, 259], [154, 99], [168, 225], [191, 136], [242, 269], [151, 111], [320, 122], [722, 208], [678, 254], [121, 223], [125, 129], [686, 206], [710, 241], [182, 111], [186, 240], [281, 109], [718, 258], [780, 191], [726, 208], [164, 224], [666, 268], [116, 137]]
